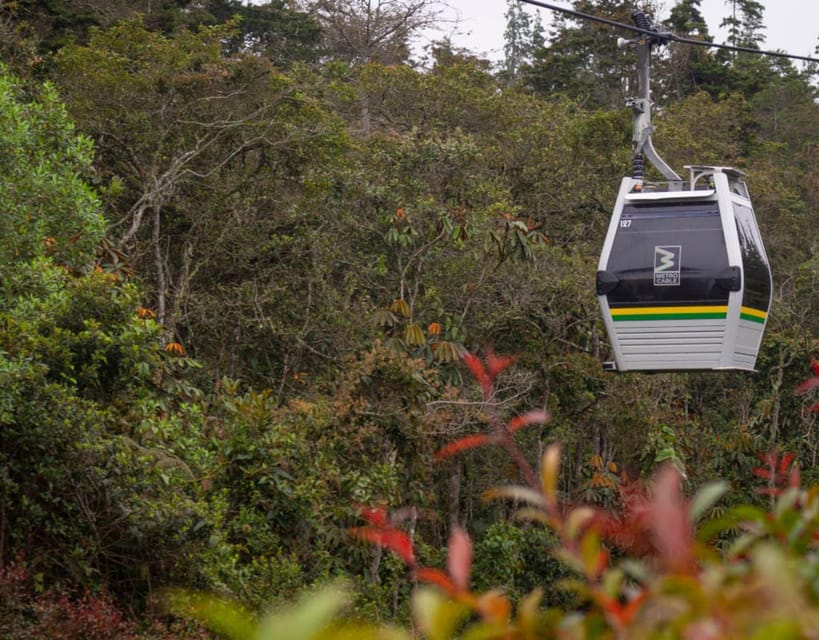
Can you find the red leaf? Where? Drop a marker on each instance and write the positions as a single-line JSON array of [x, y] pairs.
[[761, 472], [602, 561], [375, 515], [779, 472], [624, 613], [785, 462], [459, 558], [807, 385], [478, 371], [400, 543], [669, 521], [795, 479], [396, 541], [630, 530], [461, 444], [531, 417], [814, 365], [609, 604], [494, 608], [814, 408], [496, 364], [436, 577]]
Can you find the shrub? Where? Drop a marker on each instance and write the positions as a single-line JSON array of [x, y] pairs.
[[672, 582], [651, 570]]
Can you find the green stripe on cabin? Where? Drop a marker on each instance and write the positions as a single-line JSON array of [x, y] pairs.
[[718, 312], [754, 315]]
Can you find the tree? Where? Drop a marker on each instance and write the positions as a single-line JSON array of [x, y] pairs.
[[686, 18], [358, 31], [81, 496], [49, 210], [745, 24], [276, 29], [55, 23], [688, 68], [522, 37], [748, 73], [174, 120], [582, 60]]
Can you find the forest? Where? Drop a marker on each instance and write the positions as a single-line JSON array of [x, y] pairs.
[[273, 274]]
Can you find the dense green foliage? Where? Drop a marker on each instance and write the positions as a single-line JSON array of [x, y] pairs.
[[242, 261]]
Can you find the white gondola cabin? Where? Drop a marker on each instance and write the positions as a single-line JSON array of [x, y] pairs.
[[683, 279]]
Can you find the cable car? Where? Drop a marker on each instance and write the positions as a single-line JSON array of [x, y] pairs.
[[683, 279]]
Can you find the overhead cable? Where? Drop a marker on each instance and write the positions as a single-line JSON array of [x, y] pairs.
[[665, 36]]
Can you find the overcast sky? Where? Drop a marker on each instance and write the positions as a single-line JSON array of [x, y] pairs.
[[792, 25]]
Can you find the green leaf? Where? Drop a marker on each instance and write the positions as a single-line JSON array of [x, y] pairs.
[[635, 569], [747, 513], [313, 613], [549, 469], [664, 454], [779, 629], [437, 616], [706, 498], [786, 501], [227, 618], [523, 494], [577, 519], [528, 611]]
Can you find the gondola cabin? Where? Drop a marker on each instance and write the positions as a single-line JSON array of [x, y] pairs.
[[683, 279]]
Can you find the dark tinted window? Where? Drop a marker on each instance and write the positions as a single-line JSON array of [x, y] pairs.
[[669, 253], [757, 293]]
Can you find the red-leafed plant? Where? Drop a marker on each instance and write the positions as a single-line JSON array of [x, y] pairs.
[[501, 433], [27, 612], [809, 385], [780, 472], [672, 584]]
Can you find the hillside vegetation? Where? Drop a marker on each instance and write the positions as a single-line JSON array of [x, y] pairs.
[[245, 250]]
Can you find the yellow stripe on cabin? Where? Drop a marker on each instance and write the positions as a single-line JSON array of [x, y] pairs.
[[651, 311], [754, 312]]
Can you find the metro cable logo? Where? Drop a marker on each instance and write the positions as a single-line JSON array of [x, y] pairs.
[[667, 266]]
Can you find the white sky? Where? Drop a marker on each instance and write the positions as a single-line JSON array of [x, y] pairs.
[[792, 25]]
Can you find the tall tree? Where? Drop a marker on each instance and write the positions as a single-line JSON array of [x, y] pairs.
[[749, 73], [686, 18], [373, 30], [54, 23], [689, 69], [745, 23], [183, 131], [581, 59], [276, 29], [522, 37], [77, 498]]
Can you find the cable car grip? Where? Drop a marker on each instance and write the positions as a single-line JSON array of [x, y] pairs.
[[641, 106]]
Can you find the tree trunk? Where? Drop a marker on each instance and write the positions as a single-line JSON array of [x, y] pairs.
[[454, 494], [161, 279]]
